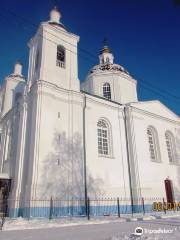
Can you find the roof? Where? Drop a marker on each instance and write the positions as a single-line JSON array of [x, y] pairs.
[[58, 25], [156, 107], [108, 67]]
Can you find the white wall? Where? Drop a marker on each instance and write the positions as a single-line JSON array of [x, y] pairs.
[[109, 174], [123, 87], [11, 86], [153, 174], [61, 114], [58, 113], [45, 42]]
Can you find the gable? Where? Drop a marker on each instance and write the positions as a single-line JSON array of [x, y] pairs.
[[158, 108]]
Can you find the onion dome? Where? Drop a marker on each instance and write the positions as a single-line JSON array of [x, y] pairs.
[[17, 73], [106, 62], [55, 18]]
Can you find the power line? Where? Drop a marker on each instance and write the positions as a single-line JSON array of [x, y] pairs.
[[95, 57], [157, 88], [50, 40], [24, 20], [158, 92], [143, 83]]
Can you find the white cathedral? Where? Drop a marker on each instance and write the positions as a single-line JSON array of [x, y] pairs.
[[64, 140]]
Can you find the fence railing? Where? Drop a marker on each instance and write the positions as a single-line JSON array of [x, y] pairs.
[[56, 208]]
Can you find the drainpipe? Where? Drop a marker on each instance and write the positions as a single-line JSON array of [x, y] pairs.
[[84, 151], [128, 146]]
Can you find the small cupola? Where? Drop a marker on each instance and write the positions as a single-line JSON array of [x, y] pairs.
[[106, 56], [55, 15], [55, 19], [18, 69]]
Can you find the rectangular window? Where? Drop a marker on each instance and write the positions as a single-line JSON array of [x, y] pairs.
[[60, 60], [102, 142]]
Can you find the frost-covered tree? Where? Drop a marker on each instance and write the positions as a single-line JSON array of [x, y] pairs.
[[63, 171]]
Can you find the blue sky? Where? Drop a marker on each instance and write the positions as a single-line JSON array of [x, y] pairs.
[[144, 36]]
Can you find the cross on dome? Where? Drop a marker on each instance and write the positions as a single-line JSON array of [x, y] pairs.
[[105, 48]]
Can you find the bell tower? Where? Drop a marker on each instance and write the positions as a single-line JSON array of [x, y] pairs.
[[53, 54]]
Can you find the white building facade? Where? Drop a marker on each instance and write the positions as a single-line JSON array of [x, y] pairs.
[[60, 139]]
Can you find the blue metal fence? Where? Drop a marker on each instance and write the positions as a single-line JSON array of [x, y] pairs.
[[56, 208]]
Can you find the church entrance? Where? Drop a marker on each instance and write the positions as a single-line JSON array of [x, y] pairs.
[[4, 193], [169, 191]]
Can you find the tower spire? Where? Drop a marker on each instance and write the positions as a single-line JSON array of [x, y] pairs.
[[56, 3], [105, 48], [105, 42]]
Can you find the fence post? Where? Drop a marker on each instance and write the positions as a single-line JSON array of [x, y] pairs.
[[88, 209], [164, 208], [51, 209], [2, 208], [132, 208], [178, 205], [72, 207], [6, 208], [118, 207], [143, 206], [26, 210]]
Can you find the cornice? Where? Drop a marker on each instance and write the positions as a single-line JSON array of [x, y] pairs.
[[45, 88], [57, 30], [54, 87], [119, 74], [103, 102], [16, 78], [61, 99], [153, 115]]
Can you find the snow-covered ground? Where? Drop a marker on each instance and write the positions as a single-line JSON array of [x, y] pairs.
[[23, 224], [95, 229]]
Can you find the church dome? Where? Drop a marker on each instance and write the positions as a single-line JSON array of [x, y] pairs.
[[108, 67], [106, 63], [55, 18], [17, 71]]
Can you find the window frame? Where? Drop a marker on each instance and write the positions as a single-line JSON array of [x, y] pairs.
[[104, 138], [107, 60], [153, 143], [171, 149], [61, 62], [107, 91]]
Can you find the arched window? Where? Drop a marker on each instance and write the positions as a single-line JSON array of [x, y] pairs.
[[153, 144], [107, 60], [60, 61], [103, 133], [107, 91], [170, 144]]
